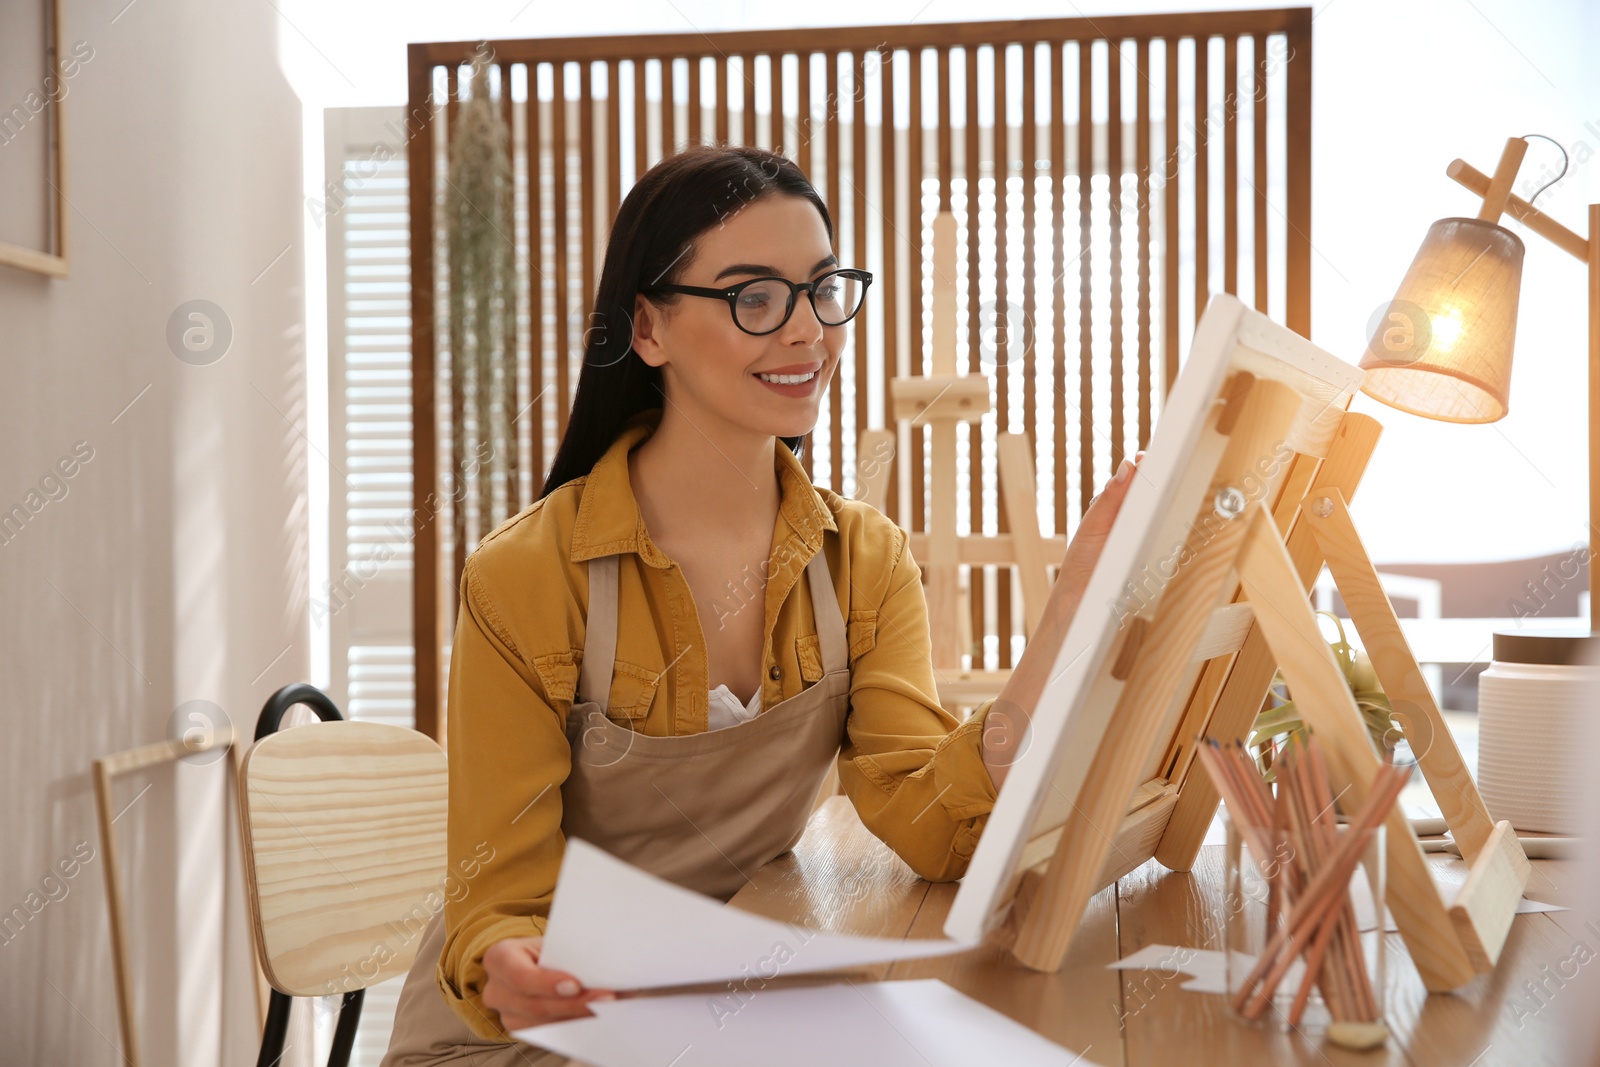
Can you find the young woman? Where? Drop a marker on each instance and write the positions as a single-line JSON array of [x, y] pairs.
[[667, 652]]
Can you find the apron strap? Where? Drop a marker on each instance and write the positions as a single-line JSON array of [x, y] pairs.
[[600, 632], [830, 619]]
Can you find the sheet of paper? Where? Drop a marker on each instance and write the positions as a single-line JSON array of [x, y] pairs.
[[920, 1023], [1448, 877], [1206, 967], [615, 926]]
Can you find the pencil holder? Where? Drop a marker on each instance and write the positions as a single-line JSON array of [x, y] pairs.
[[1283, 922]]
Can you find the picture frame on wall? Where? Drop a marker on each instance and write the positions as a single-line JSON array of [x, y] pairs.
[[36, 71]]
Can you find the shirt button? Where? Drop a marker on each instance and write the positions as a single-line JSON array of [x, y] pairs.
[[775, 672]]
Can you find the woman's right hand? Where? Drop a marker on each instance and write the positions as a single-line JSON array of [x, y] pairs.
[[526, 994]]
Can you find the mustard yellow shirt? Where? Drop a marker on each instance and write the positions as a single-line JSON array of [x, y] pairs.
[[914, 773]]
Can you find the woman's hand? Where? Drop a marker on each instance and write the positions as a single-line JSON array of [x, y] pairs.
[[1005, 728], [526, 994], [1083, 552]]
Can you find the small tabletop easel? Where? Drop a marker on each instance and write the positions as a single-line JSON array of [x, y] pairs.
[[943, 400], [1199, 663]]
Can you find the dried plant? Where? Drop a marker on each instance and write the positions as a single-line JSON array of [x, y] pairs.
[[480, 226]]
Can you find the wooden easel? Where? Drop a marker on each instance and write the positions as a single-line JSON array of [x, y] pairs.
[[943, 400], [1199, 665]]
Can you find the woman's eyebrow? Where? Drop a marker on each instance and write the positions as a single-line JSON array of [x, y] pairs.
[[762, 270]]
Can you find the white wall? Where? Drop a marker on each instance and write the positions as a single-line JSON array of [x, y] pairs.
[[173, 568]]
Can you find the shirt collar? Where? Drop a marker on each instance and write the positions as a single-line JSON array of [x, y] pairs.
[[609, 520]]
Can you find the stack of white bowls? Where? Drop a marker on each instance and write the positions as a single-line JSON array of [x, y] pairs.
[[1533, 705]]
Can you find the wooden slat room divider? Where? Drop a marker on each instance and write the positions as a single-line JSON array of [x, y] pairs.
[[1108, 148]]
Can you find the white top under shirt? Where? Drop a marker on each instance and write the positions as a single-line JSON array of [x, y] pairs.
[[725, 710]]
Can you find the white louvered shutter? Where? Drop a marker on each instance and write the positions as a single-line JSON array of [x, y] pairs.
[[367, 610]]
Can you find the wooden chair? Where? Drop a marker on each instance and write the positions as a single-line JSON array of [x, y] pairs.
[[344, 848]]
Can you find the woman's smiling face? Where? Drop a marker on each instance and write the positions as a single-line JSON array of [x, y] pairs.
[[709, 366]]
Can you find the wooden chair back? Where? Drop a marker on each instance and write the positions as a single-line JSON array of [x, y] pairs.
[[344, 845]]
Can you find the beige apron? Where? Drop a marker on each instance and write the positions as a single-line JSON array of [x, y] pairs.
[[703, 810]]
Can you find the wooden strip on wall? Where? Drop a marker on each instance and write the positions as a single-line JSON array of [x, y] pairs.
[[917, 270], [613, 139], [858, 250], [1085, 277], [906, 34], [1171, 228], [586, 205], [720, 104], [641, 119], [1000, 154], [1297, 156], [426, 613], [971, 170], [513, 392], [777, 134], [806, 130], [696, 104], [669, 106], [535, 417], [1202, 175], [457, 376], [1030, 214], [747, 113], [1118, 418], [836, 198], [1259, 158], [889, 298], [1141, 162], [1230, 164], [561, 301], [1058, 196]]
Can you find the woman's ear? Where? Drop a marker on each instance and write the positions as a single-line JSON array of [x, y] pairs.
[[647, 320]]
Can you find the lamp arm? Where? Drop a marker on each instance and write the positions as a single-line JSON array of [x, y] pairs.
[[1474, 180]]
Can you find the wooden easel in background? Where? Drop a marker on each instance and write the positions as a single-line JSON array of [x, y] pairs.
[[1199, 665], [943, 400]]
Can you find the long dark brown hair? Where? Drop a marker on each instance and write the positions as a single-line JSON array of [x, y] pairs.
[[675, 202]]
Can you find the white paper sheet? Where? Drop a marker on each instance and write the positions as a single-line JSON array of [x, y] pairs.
[[920, 1023], [1448, 877], [615, 926], [1206, 967]]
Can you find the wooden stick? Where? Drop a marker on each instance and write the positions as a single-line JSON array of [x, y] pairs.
[[1329, 827], [1331, 971], [1321, 893]]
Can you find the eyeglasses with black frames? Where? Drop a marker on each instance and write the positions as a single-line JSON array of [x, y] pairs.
[[762, 305]]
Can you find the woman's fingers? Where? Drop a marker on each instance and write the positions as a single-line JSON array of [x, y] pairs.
[[537, 1011], [526, 994], [515, 962]]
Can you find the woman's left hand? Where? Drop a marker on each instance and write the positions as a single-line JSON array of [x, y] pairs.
[[1006, 726]]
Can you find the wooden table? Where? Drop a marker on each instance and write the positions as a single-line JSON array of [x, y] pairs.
[[841, 878]]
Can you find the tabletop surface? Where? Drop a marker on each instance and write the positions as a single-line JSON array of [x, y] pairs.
[[840, 878]]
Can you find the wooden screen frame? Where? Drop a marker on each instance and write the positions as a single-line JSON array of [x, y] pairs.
[[435, 587]]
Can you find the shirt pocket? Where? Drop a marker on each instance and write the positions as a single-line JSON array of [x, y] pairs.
[[633, 691], [861, 631], [861, 635], [808, 650]]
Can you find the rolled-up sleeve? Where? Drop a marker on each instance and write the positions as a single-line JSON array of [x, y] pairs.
[[914, 772], [509, 756]]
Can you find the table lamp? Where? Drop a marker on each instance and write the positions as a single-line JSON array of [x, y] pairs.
[[1442, 348]]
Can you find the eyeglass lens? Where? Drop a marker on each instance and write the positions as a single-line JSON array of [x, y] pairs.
[[762, 306]]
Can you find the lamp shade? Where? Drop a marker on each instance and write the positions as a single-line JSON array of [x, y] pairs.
[[1442, 347]]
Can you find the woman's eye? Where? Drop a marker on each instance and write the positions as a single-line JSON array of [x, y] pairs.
[[829, 291], [754, 298]]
